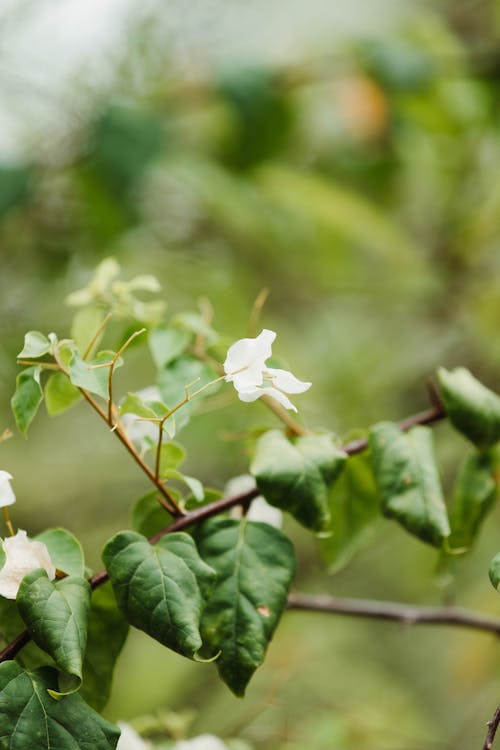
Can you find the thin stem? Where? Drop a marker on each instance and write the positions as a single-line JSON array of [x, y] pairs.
[[8, 522], [492, 730], [171, 505], [286, 418], [259, 303], [426, 417], [404, 613], [96, 336], [35, 363], [111, 373]]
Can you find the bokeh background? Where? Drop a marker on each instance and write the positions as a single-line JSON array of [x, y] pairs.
[[344, 155]]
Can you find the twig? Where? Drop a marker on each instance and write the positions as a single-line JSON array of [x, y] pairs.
[[492, 730], [405, 613], [200, 514], [96, 336], [426, 417]]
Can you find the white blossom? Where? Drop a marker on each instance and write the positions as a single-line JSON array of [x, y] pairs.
[[130, 739], [202, 742], [245, 367], [22, 555], [7, 496]]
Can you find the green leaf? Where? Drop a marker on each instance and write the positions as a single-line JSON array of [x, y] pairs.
[[194, 484], [166, 344], [354, 504], [65, 550], [473, 409], [171, 456], [27, 397], [196, 323], [36, 344], [148, 516], [93, 379], [11, 624], [172, 382], [133, 403], [255, 565], [56, 613], [474, 494], [60, 394], [31, 718], [107, 633], [158, 587], [85, 326], [494, 571], [408, 480], [296, 475]]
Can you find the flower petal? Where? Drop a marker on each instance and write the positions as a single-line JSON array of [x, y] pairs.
[[255, 393], [7, 496], [22, 556], [287, 382], [249, 354]]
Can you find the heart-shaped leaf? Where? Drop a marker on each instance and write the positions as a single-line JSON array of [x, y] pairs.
[[408, 480], [474, 494], [65, 551], [354, 504], [255, 565], [107, 632], [473, 409], [36, 344], [296, 475], [60, 394], [159, 588], [31, 718], [56, 614], [27, 397]]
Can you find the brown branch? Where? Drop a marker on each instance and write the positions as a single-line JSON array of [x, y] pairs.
[[182, 522], [392, 611], [492, 730], [407, 614], [426, 417]]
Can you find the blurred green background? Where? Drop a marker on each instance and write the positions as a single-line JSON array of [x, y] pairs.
[[344, 155]]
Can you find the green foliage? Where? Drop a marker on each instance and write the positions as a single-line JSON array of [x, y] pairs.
[[60, 394], [30, 717], [106, 634], [93, 379], [297, 475], [56, 615], [166, 344], [27, 397], [474, 494], [408, 480], [354, 504], [148, 516], [65, 551], [472, 408], [36, 344], [255, 565], [160, 588]]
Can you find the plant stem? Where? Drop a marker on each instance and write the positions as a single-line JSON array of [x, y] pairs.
[[111, 373], [405, 613], [96, 336], [492, 730], [426, 417]]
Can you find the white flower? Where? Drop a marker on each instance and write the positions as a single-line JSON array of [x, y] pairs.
[[7, 496], [129, 739], [22, 555], [245, 367], [259, 510], [202, 742]]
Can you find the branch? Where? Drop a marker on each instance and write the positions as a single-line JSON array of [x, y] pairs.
[[182, 522], [492, 730], [407, 614], [392, 611], [426, 417]]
